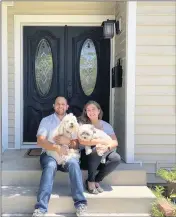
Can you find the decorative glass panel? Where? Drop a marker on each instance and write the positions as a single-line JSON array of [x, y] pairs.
[[88, 67], [43, 67]]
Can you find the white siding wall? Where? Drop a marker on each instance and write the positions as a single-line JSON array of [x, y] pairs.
[[62, 8], [119, 96], [155, 116]]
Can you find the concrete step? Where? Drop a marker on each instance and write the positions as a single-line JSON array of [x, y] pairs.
[[91, 215], [17, 169], [115, 199], [32, 178]]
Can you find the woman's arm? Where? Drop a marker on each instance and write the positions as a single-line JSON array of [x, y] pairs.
[[93, 142], [111, 143], [114, 143]]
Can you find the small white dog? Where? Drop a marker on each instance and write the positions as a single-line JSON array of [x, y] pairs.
[[67, 128], [87, 132]]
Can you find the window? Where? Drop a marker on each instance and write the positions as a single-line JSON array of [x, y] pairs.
[[88, 67], [43, 67]]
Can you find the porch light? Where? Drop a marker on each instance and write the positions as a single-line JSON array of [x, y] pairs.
[[108, 28]]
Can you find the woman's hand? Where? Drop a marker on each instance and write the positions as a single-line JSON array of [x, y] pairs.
[[62, 140], [82, 142], [101, 148], [111, 143]]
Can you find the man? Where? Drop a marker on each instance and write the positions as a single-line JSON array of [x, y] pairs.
[[49, 165]]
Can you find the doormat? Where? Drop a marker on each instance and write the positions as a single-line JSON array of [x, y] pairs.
[[34, 152]]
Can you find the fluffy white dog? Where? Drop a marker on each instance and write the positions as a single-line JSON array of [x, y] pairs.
[[87, 132], [67, 128]]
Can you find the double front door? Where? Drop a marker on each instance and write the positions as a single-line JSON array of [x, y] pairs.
[[63, 61]]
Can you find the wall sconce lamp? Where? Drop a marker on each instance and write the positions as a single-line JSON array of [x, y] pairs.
[[108, 28]]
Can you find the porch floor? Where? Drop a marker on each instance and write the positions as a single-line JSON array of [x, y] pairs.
[[17, 160]]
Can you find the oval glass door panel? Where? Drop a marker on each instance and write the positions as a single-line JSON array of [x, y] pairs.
[[88, 67], [43, 67]]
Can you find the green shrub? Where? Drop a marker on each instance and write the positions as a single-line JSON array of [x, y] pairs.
[[168, 175]]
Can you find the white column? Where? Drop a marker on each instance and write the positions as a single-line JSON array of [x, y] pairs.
[[1, 148], [4, 73], [130, 81]]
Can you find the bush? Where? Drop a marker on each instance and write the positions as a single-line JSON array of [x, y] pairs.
[[168, 175], [161, 204]]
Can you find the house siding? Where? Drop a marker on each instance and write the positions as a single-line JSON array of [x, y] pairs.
[[155, 117], [119, 93], [51, 8], [1, 149]]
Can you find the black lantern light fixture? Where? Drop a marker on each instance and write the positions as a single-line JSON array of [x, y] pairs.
[[109, 30]]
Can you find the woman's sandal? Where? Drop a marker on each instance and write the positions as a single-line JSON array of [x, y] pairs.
[[99, 189], [91, 191]]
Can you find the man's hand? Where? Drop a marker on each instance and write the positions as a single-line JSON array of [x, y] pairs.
[[62, 150], [61, 140], [74, 144]]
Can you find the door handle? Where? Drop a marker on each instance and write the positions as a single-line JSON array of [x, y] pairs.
[[69, 89]]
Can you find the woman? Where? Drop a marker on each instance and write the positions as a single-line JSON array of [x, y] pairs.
[[92, 114]]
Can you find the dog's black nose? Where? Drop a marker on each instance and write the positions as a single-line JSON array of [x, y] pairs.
[[71, 125]]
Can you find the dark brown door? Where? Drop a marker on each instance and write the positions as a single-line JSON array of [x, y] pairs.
[[70, 61]]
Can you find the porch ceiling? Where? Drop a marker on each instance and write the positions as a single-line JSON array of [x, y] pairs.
[[62, 7], [107, 1]]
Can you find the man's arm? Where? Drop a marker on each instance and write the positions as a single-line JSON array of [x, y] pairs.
[[44, 143], [42, 134]]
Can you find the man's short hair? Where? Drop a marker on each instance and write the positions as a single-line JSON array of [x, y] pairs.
[[60, 97]]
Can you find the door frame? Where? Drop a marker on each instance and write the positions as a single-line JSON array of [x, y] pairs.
[[74, 20], [43, 20]]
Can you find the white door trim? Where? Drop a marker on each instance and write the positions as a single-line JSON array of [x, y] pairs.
[[112, 90], [4, 69], [130, 82], [40, 20]]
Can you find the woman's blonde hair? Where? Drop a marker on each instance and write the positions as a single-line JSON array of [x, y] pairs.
[[84, 118]]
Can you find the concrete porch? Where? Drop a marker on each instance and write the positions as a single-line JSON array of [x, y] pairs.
[[126, 193]]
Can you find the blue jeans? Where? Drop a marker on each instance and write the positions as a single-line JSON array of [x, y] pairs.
[[50, 167]]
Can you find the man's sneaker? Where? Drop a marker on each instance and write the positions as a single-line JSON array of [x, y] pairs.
[[81, 210], [38, 213]]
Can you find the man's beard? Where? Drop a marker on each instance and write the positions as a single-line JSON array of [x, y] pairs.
[[60, 113]]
